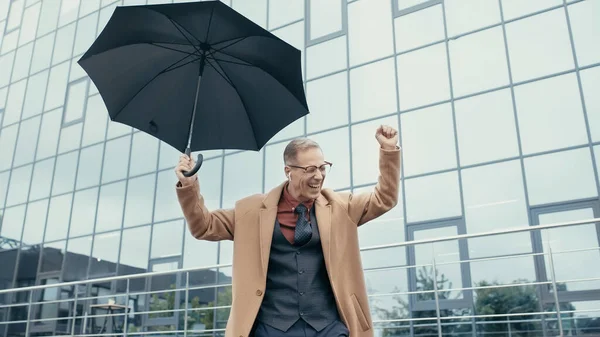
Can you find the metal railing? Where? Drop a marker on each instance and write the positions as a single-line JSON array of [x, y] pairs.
[[443, 321]]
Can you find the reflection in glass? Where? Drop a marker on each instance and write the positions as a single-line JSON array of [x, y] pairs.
[[76, 95], [135, 245], [167, 238], [35, 221], [110, 207], [166, 205], [486, 128], [550, 114], [78, 255], [568, 244], [84, 211], [478, 62], [373, 90], [49, 134], [518, 269], [328, 101], [366, 20], [42, 179], [19, 185], [105, 253], [8, 139], [429, 24], [432, 197], [57, 225], [12, 223], [561, 176], [52, 256], [428, 147], [140, 199], [423, 77], [539, 45], [64, 174], [199, 253], [25, 151]]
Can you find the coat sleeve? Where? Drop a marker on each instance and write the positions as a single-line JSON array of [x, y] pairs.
[[364, 207], [204, 224]]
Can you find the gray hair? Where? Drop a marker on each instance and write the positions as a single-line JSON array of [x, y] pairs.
[[290, 153]]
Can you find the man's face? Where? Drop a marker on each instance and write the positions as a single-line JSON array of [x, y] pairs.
[[303, 185]]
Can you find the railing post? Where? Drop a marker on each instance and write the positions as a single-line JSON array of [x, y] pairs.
[[125, 320], [555, 290], [28, 313], [435, 289], [74, 320], [84, 326], [185, 310]]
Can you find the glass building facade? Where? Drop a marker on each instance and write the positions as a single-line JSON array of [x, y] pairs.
[[498, 107]]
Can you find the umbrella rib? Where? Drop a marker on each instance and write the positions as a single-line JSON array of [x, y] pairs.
[[185, 36], [225, 77], [233, 62], [166, 70], [173, 49], [212, 12], [240, 39]]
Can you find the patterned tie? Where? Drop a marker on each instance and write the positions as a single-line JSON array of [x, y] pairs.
[[303, 230]]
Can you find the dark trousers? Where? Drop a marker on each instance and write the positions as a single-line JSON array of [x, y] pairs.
[[301, 329]]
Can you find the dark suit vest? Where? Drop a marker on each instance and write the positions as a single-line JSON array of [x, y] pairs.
[[298, 286]]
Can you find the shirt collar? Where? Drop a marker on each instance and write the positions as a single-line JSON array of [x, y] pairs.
[[292, 201]]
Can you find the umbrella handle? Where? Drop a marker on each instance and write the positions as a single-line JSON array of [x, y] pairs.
[[198, 164]]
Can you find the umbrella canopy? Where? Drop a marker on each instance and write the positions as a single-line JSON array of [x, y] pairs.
[[198, 76]]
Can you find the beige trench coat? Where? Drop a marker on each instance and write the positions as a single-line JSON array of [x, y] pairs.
[[250, 225]]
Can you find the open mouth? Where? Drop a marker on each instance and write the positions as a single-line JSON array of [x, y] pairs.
[[314, 186]]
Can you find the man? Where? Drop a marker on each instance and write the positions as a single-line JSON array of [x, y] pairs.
[[296, 264]]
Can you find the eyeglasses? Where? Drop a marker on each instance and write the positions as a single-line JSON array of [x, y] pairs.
[[312, 169]]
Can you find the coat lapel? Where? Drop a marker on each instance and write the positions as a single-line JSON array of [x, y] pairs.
[[323, 211], [268, 214]]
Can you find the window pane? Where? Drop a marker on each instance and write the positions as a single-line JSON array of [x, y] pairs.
[[70, 138], [22, 62], [199, 253], [328, 102], [64, 175], [365, 150], [210, 183], [3, 186], [110, 207], [486, 128], [561, 176], [167, 239], [86, 33], [432, 197], [52, 260], [428, 146], [282, 12], [516, 8], [550, 114], [294, 35], [14, 102], [35, 222], [336, 149], [90, 163], [78, 256], [503, 271], [116, 159], [373, 90], [134, 250], [419, 28], [58, 218], [326, 57], [572, 238], [105, 253], [423, 77], [167, 206], [478, 62], [325, 17], [15, 14], [8, 139], [9, 42], [57, 86], [96, 118], [494, 197], [49, 17], [42, 52], [30, 22], [42, 178], [49, 134], [36, 88], [76, 95], [387, 229], [63, 46], [140, 200], [144, 154], [255, 10], [84, 212], [443, 252], [6, 62], [27, 140], [90, 6], [243, 176], [590, 81], [116, 129], [539, 45], [367, 19], [19, 185], [585, 31], [12, 222], [465, 16]]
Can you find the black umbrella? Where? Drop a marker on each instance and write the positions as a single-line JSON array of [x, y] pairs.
[[198, 76]]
